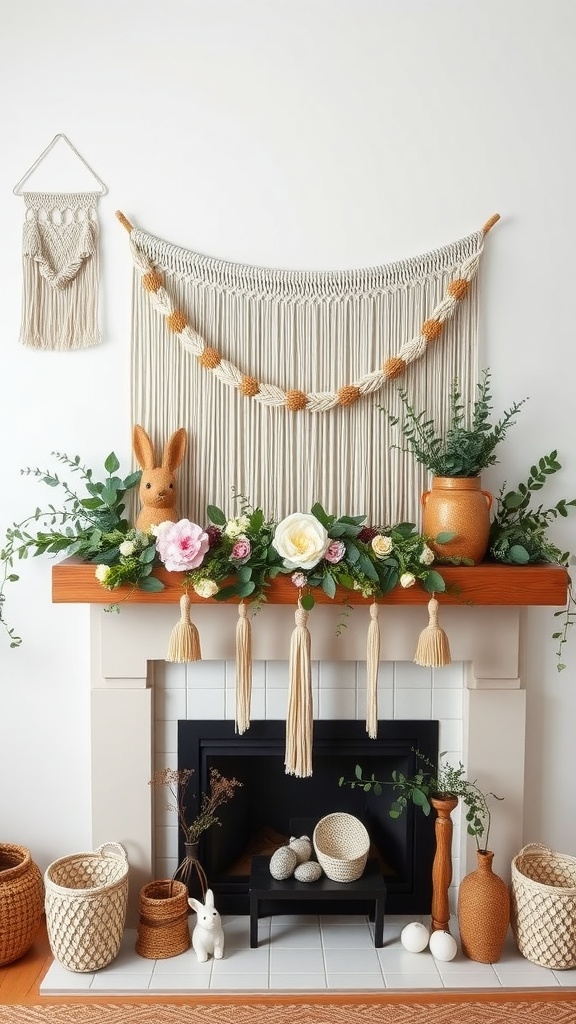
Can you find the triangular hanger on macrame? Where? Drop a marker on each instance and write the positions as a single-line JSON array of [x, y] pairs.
[[18, 188]]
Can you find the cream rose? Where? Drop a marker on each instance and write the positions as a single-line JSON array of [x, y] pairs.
[[381, 545], [427, 556], [235, 527], [407, 579], [206, 588], [301, 541], [126, 548], [101, 573]]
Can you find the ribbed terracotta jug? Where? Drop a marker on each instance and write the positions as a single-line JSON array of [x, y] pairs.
[[458, 505], [483, 911]]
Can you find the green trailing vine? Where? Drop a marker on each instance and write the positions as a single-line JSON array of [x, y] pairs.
[[518, 534]]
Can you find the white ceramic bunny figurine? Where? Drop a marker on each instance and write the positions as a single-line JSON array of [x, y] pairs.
[[208, 935]]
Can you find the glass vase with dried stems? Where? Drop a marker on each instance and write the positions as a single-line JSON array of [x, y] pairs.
[[221, 790]]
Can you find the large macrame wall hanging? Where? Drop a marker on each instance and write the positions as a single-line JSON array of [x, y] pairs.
[[60, 264], [280, 376]]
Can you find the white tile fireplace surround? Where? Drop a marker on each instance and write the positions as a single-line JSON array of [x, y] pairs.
[[137, 700]]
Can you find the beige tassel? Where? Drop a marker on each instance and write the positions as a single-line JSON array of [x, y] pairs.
[[372, 663], [433, 649], [243, 669], [184, 642], [299, 721]]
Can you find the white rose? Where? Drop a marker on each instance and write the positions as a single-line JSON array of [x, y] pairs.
[[427, 556], [301, 541], [407, 579], [381, 545], [206, 588], [101, 573], [234, 527], [155, 531], [126, 548]]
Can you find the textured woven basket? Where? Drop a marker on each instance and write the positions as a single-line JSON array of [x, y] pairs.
[[21, 901], [163, 926], [341, 843], [543, 906], [86, 899]]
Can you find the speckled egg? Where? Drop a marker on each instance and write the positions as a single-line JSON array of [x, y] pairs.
[[302, 848], [310, 871], [282, 863]]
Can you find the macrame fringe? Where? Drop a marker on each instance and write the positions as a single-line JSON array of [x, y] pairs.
[[372, 663], [60, 272], [299, 720], [433, 649], [184, 642], [243, 669]]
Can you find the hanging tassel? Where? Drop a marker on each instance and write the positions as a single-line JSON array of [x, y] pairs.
[[299, 721], [372, 663], [433, 649], [243, 669], [184, 642]]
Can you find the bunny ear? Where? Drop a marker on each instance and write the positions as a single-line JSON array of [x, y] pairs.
[[174, 450], [143, 447], [195, 904], [209, 897]]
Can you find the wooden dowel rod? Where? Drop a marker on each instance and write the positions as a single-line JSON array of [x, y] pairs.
[[124, 221], [490, 223]]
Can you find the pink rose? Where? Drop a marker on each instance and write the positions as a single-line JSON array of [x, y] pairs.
[[298, 579], [336, 551], [181, 545], [242, 550]]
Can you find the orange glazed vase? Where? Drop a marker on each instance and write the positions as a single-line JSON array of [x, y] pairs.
[[483, 911], [458, 505]]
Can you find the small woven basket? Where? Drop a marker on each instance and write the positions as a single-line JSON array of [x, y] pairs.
[[341, 843], [86, 900], [163, 926], [21, 901], [543, 906]]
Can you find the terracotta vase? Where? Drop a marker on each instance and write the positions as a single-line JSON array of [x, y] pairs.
[[458, 505], [442, 863], [483, 911]]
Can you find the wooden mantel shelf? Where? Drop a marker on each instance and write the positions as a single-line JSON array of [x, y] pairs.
[[74, 582]]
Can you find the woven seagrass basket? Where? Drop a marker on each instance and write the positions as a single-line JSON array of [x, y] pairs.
[[21, 901], [163, 925], [341, 843], [543, 906], [86, 900]]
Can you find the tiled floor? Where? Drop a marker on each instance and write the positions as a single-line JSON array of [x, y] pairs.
[[304, 953]]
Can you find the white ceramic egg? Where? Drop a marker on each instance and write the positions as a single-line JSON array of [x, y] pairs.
[[443, 946], [415, 937]]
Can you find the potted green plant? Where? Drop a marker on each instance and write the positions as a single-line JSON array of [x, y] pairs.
[[483, 901], [455, 457]]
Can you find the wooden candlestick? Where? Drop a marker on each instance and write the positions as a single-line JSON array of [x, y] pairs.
[[442, 864]]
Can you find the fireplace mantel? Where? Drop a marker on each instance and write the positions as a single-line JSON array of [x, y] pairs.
[[486, 584]]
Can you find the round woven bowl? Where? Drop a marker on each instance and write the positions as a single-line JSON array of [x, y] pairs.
[[21, 901], [341, 843]]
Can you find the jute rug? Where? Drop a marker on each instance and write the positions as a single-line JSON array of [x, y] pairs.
[[459, 1012]]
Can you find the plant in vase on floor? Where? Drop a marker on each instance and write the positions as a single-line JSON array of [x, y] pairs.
[[483, 898], [221, 791], [455, 457]]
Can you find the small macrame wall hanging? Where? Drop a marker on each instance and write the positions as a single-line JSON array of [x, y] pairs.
[[60, 262]]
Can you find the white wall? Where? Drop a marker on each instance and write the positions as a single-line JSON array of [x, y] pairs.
[[314, 133]]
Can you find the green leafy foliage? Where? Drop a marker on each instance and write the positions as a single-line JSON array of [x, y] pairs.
[[92, 526], [431, 781], [468, 445], [519, 534]]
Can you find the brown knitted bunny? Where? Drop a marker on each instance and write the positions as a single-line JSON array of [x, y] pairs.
[[158, 483]]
